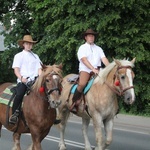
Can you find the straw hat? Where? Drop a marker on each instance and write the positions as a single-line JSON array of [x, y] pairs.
[[89, 31], [26, 38]]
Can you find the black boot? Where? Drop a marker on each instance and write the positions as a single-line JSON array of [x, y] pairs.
[[77, 95], [14, 117]]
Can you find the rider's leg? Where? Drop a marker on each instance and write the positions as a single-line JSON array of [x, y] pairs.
[[83, 79], [21, 89]]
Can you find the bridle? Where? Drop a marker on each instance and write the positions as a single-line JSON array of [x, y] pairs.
[[54, 89], [116, 76], [47, 91]]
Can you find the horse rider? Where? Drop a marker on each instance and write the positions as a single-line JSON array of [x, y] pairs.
[[27, 67], [90, 57]]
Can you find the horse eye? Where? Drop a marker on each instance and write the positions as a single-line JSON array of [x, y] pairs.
[[47, 80], [122, 77]]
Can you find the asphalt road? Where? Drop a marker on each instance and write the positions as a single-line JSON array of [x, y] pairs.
[[130, 133]]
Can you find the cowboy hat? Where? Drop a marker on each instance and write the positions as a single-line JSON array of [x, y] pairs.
[[26, 38], [89, 31]]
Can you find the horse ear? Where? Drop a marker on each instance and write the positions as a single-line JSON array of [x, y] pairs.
[[43, 67], [117, 62], [133, 60], [60, 66]]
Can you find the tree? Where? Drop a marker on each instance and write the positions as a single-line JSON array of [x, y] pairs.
[[58, 27]]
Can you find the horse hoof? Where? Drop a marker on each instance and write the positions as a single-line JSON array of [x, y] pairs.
[[62, 147]]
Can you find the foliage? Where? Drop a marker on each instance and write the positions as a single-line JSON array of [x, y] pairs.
[[123, 28]]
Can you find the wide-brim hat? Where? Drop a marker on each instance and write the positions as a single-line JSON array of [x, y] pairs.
[[26, 38], [89, 31]]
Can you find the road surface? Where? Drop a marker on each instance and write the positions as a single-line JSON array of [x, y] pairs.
[[130, 133]]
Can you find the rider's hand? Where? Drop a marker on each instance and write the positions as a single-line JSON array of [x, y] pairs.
[[96, 71], [24, 80]]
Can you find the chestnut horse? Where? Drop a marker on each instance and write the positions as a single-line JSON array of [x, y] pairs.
[[39, 108], [100, 102]]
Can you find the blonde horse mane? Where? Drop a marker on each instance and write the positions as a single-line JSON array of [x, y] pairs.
[[101, 78], [45, 71]]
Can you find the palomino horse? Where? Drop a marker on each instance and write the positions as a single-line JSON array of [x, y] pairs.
[[39, 108], [100, 101]]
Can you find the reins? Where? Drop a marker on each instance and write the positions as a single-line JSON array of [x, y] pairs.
[[113, 88]]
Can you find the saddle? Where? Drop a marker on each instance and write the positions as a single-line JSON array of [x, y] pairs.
[[74, 81], [7, 98], [86, 89]]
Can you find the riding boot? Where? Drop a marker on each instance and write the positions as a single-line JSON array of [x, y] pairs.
[[76, 96], [14, 117], [15, 112]]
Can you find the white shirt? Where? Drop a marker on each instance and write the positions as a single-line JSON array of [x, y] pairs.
[[93, 53], [28, 63]]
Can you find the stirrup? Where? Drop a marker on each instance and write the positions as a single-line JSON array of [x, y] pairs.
[[13, 119]]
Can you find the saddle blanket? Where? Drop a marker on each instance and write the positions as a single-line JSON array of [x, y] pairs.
[[86, 89], [6, 95]]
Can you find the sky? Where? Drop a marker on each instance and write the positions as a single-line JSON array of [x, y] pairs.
[[2, 48]]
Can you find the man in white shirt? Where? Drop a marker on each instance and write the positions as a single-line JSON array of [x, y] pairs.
[[90, 57]]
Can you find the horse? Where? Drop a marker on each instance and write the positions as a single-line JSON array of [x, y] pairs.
[[100, 102], [38, 108]]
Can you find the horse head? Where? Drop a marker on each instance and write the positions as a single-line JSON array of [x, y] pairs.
[[49, 84], [123, 80]]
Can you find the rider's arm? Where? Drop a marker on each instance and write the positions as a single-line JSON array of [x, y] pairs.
[[88, 64], [18, 75], [105, 61], [39, 71]]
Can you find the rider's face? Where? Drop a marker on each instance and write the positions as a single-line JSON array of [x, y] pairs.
[[27, 46], [90, 38]]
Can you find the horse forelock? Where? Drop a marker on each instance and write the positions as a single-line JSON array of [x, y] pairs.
[[58, 71], [101, 78], [126, 63]]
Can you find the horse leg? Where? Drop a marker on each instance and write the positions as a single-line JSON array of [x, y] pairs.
[[64, 117], [97, 122], [85, 125], [108, 127], [36, 142], [30, 147], [38, 134], [16, 138]]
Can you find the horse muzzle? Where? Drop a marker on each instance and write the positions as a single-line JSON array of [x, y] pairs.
[[54, 103], [129, 98]]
